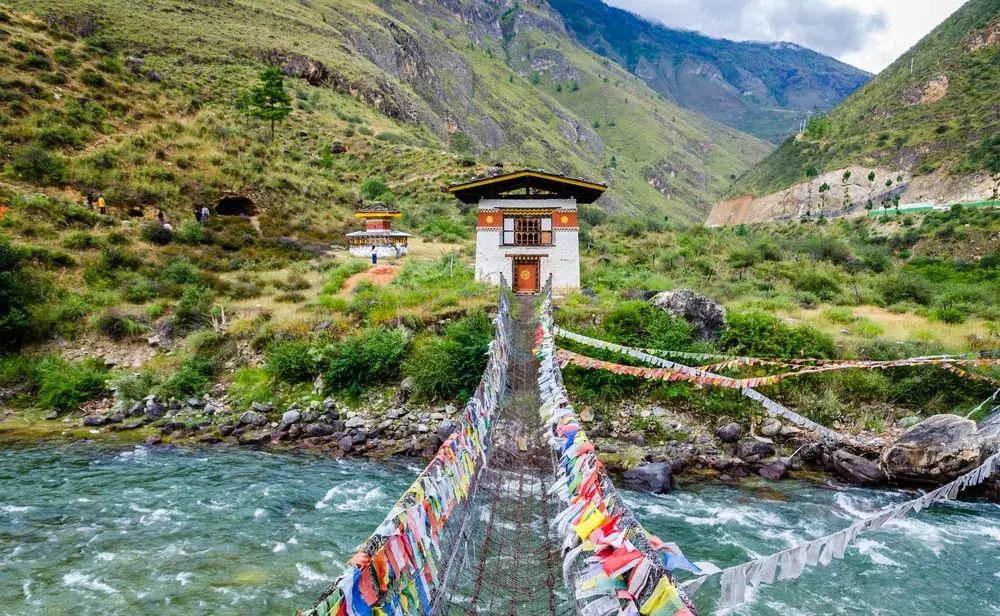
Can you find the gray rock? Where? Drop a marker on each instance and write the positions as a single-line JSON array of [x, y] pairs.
[[395, 413], [359, 437], [116, 418], [450, 409], [226, 429], [437, 416], [749, 448], [656, 477], [939, 449], [908, 422], [773, 471], [346, 443], [403, 392], [659, 411], [133, 425], [155, 411], [789, 431], [52, 416], [315, 430], [729, 433], [253, 419], [290, 417], [770, 427], [255, 438], [856, 469], [137, 408], [445, 429], [93, 421], [355, 422], [154, 439], [262, 407], [587, 293], [194, 402], [707, 316], [423, 428]]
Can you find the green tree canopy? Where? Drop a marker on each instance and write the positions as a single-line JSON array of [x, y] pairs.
[[268, 99]]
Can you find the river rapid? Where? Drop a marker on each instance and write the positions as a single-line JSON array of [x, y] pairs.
[[90, 530]]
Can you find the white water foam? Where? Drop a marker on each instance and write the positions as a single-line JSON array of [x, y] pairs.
[[184, 577], [259, 513], [14, 509], [106, 556], [870, 548], [76, 579], [279, 547], [310, 575]]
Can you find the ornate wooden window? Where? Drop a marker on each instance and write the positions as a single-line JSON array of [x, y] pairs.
[[527, 231]]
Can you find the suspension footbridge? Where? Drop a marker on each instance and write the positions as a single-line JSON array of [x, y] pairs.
[[515, 515]]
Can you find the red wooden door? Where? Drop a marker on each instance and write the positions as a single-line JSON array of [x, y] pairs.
[[526, 277]]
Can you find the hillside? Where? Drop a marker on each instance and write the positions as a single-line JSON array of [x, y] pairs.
[[479, 80], [765, 89], [931, 116]]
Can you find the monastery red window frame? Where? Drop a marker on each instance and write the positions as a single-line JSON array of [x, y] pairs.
[[526, 231]]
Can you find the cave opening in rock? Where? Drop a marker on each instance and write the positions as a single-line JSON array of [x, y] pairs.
[[235, 206]]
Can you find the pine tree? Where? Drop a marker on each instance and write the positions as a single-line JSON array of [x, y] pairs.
[[268, 99]]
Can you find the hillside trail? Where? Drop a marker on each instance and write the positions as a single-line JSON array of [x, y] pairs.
[[380, 274]]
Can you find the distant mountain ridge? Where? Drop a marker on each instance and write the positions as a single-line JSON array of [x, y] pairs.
[[931, 117], [762, 88]]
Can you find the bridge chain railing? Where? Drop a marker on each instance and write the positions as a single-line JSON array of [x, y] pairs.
[[611, 564], [405, 563]]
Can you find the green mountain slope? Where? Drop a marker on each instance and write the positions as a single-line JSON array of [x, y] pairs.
[[765, 89], [451, 74], [936, 109]]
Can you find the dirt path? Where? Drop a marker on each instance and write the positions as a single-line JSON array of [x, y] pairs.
[[380, 274]]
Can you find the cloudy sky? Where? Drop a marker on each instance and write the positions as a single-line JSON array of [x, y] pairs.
[[869, 34]]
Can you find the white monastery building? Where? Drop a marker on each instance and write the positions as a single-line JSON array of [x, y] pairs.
[[378, 233], [527, 227]]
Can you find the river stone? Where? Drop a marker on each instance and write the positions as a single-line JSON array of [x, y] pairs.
[[262, 407], [989, 430], [856, 469], [117, 418], [346, 443], [773, 471], [750, 447], [94, 420], [136, 409], [255, 438], [657, 478], [729, 433], [290, 417], [939, 449], [155, 411], [316, 430], [355, 422], [770, 427], [253, 419], [707, 316], [445, 429]]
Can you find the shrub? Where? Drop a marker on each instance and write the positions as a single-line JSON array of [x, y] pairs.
[[643, 325], [764, 335], [950, 315], [194, 307], [17, 294], [80, 240], [132, 386], [366, 358], [117, 326], [373, 188], [157, 234], [432, 367], [294, 360], [841, 315], [191, 377], [36, 164], [65, 387], [907, 287], [341, 273], [252, 385], [191, 232]]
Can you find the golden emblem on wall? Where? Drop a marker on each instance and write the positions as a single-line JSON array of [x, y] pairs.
[[564, 219], [525, 274], [489, 219]]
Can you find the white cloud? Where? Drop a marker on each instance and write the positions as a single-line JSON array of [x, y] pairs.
[[869, 34]]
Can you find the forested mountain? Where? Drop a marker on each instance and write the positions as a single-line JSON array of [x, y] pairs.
[[934, 114], [765, 89], [494, 81]]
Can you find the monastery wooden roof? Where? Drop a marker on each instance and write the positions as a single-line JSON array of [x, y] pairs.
[[533, 184]]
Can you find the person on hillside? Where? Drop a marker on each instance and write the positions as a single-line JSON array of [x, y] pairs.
[[102, 207], [159, 215], [204, 214], [399, 251], [90, 201], [374, 255], [197, 213]]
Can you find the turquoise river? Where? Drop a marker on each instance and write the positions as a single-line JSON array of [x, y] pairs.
[[89, 530]]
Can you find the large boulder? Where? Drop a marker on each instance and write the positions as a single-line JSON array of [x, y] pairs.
[[707, 316], [255, 419], [936, 450], [657, 478], [751, 450], [989, 430], [856, 469], [729, 432]]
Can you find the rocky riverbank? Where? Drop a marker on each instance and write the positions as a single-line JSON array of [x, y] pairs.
[[648, 445]]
